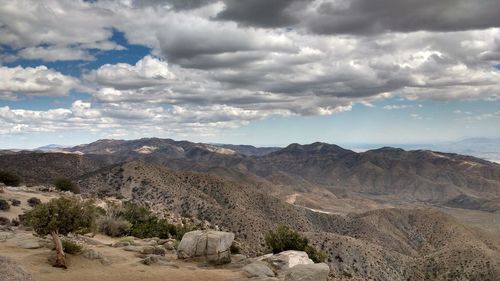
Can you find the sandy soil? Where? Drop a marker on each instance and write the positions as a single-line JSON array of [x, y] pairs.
[[125, 266]]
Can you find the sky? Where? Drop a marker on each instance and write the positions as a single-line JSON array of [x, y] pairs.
[[261, 72]]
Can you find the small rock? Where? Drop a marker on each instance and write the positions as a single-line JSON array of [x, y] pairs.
[[4, 235], [258, 269], [159, 250], [169, 245], [29, 244], [91, 254], [150, 259], [136, 249], [148, 250], [308, 272], [120, 244]]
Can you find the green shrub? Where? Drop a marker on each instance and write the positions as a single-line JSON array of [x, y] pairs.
[[4, 221], [284, 239], [234, 249], [9, 178], [145, 224], [180, 230], [33, 201], [65, 184], [4, 205], [71, 247], [114, 227], [15, 202]]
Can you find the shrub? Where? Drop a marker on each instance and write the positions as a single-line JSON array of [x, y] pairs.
[[60, 217], [14, 222], [15, 202], [145, 224], [71, 247], [9, 178], [4, 205], [284, 239], [114, 227], [234, 249], [65, 184], [33, 201], [4, 221]]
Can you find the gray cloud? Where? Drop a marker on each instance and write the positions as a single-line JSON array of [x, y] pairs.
[[371, 17], [263, 13]]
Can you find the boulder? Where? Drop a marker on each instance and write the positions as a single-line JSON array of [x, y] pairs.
[[11, 270], [288, 259], [308, 272], [211, 245], [258, 269]]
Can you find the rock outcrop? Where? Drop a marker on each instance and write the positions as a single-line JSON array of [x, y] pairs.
[[288, 259], [214, 246], [11, 270], [258, 269]]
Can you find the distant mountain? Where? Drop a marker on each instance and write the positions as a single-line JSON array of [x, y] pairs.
[[250, 195], [249, 150], [51, 148], [387, 174]]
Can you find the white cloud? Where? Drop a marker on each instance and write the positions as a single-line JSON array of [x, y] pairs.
[[55, 54], [38, 81]]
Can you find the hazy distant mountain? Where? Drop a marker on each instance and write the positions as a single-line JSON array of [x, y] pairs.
[[386, 173], [249, 150], [486, 148], [51, 148]]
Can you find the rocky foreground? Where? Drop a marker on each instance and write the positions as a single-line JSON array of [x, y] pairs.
[[200, 255]]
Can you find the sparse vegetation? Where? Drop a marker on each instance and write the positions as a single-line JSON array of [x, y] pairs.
[[114, 227], [9, 178], [60, 217], [66, 184], [15, 202], [285, 238], [4, 205], [33, 201], [4, 221]]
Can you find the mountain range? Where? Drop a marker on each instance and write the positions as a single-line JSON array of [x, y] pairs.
[[376, 214]]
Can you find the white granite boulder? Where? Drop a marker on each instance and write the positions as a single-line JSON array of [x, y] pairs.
[[214, 246]]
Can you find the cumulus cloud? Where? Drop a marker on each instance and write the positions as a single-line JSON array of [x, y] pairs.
[[148, 71], [221, 64], [37, 81]]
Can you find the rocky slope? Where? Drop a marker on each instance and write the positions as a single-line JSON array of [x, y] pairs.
[[389, 244]]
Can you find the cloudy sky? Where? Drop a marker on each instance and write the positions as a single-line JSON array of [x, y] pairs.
[[263, 72]]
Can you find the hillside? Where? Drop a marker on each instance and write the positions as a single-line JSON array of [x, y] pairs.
[[389, 244]]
